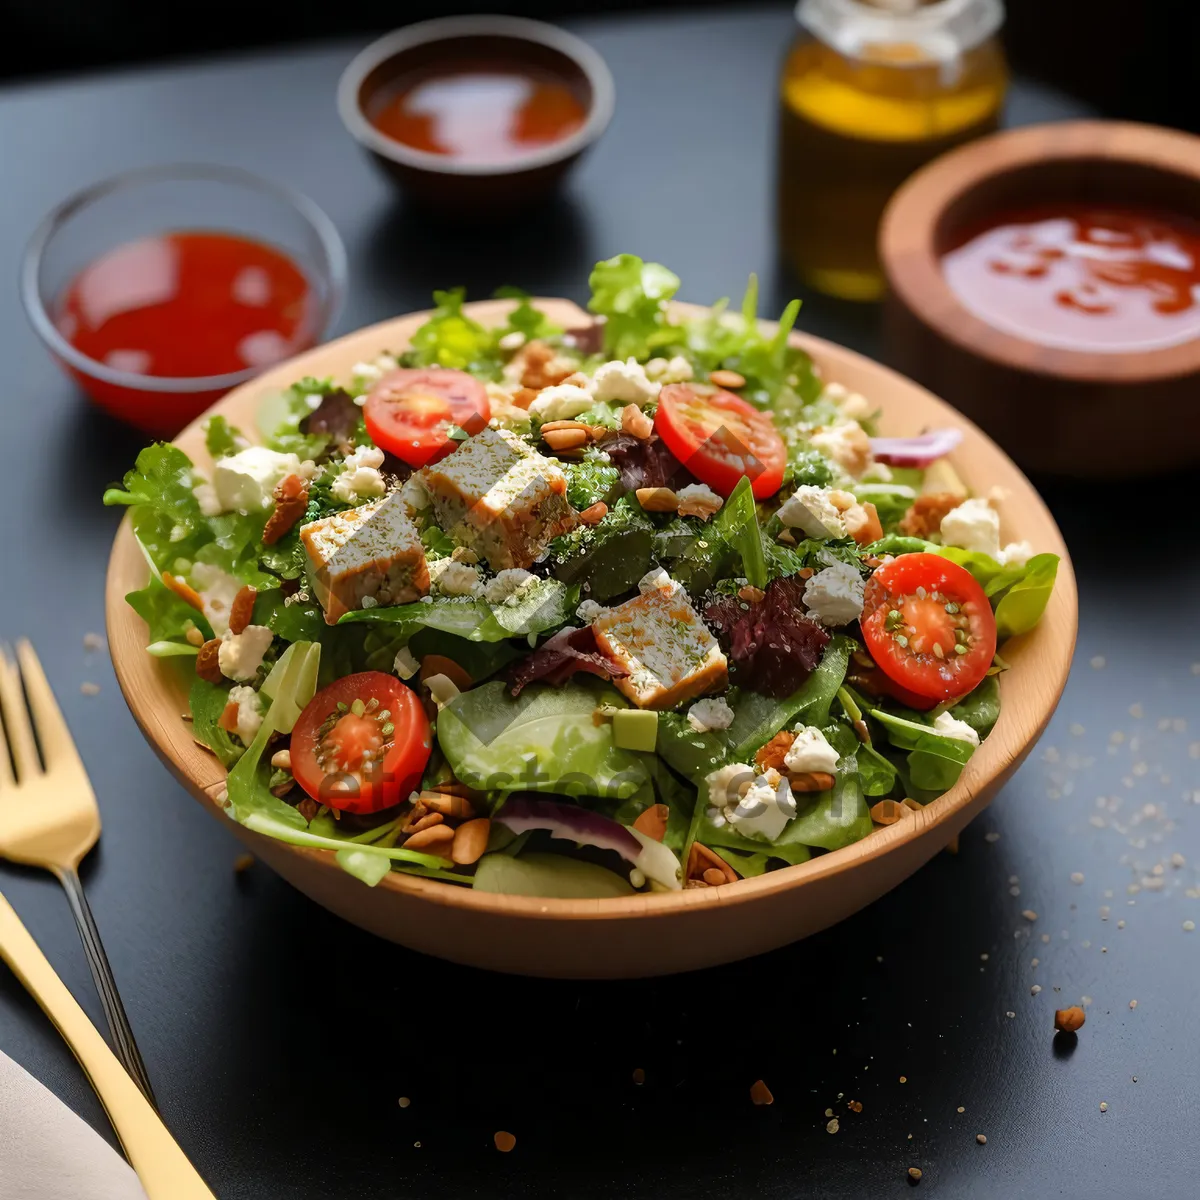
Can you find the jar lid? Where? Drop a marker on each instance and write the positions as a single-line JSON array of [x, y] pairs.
[[940, 30]]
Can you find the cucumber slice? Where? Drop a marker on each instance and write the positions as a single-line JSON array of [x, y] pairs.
[[549, 875]]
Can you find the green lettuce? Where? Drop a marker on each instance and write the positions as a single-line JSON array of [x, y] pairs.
[[167, 617], [221, 438], [632, 296], [934, 760], [207, 702], [1019, 594], [543, 740]]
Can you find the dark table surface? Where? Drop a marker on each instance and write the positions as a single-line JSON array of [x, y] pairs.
[[280, 1040]]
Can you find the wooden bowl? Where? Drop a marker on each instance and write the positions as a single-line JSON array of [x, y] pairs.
[[644, 934], [1060, 411], [452, 187]]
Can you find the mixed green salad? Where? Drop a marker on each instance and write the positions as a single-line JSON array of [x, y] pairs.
[[641, 605]]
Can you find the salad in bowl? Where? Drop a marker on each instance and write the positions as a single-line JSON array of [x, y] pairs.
[[642, 605]]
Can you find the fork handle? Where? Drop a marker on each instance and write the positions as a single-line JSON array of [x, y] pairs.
[[102, 974], [161, 1165]]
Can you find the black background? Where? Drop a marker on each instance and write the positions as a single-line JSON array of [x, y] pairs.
[[280, 1040]]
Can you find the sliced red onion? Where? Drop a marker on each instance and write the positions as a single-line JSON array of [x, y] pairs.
[[917, 451], [585, 828]]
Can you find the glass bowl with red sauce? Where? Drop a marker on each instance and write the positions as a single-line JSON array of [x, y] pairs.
[[477, 116], [161, 289]]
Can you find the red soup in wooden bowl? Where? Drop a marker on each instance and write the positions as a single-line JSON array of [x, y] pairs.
[[155, 314]]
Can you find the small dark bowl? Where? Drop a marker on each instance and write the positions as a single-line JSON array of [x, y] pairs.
[[452, 186]]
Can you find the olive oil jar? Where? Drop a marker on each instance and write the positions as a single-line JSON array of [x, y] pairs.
[[870, 91]]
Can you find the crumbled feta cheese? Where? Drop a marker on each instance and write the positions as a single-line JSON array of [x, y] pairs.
[[811, 510], [655, 578], [206, 497], [560, 402], [405, 664], [453, 578], [853, 406], [249, 716], [810, 751], [245, 482], [726, 784], [368, 372], [241, 654], [217, 590], [512, 342], [361, 479], [1015, 554], [508, 585], [669, 370], [414, 496], [624, 383], [845, 443], [710, 713], [698, 500], [588, 611], [854, 517], [834, 595], [973, 525], [765, 809], [952, 727]]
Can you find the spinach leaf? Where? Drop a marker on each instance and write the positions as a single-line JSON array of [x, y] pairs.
[[980, 708], [544, 740], [876, 773], [832, 819], [207, 702], [935, 761]]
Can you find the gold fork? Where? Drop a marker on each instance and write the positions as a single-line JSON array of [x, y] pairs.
[[49, 819]]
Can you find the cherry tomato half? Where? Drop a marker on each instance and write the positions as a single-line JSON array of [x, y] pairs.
[[719, 437], [362, 743], [409, 412], [928, 626]]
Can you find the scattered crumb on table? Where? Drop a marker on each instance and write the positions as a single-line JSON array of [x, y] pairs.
[[89, 689], [760, 1093], [503, 1139], [93, 641]]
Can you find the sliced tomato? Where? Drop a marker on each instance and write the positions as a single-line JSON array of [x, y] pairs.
[[719, 437], [928, 626], [362, 743], [411, 411]]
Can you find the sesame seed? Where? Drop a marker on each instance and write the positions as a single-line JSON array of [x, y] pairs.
[[639, 1076], [1033, 991], [404, 1101], [981, 1139], [1133, 1004], [1103, 1106], [914, 1173], [1098, 661], [1029, 914], [90, 689], [833, 1126], [1189, 926], [1076, 877], [504, 1141]]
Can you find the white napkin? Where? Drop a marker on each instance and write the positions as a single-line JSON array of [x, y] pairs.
[[48, 1153]]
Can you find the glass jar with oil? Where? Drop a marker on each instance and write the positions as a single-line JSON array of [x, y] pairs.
[[872, 90]]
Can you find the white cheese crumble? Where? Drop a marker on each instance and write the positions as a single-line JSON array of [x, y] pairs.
[[453, 578], [655, 578], [414, 496], [1016, 554], [726, 784], [511, 342], [361, 479], [834, 595], [952, 727], [710, 713], [811, 510], [810, 751], [845, 443], [624, 383], [245, 482], [973, 525], [560, 402], [217, 590], [589, 610], [405, 664], [508, 585], [853, 406], [765, 809], [669, 370], [241, 654], [698, 500], [249, 716]]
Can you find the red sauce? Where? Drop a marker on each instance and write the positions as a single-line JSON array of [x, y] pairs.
[[478, 114], [188, 304], [1083, 277]]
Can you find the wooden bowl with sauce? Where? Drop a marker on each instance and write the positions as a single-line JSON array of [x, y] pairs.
[[477, 116], [1046, 282]]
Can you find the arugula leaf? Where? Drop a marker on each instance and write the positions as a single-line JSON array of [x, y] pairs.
[[167, 617], [545, 605], [543, 740], [632, 295], [935, 761], [207, 702], [737, 522]]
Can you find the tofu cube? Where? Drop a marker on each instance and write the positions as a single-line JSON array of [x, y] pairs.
[[366, 556], [668, 650], [500, 498]]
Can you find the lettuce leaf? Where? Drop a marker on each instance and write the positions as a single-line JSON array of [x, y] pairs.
[[935, 761], [207, 702], [1019, 594], [632, 296], [452, 339], [167, 617], [221, 438]]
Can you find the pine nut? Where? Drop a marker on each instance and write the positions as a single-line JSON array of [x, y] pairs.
[[566, 439], [635, 422], [727, 379], [281, 760], [657, 499], [594, 514], [470, 841], [435, 839]]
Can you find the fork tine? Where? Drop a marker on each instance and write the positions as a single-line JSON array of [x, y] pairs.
[[52, 731], [16, 720]]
